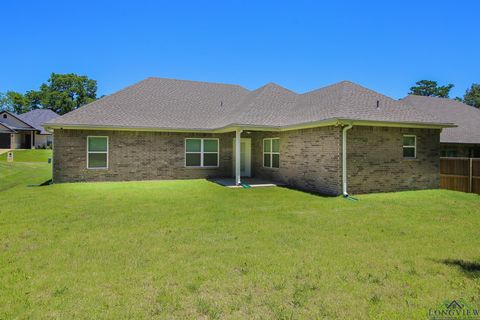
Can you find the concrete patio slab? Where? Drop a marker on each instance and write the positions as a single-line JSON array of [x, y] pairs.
[[247, 183]]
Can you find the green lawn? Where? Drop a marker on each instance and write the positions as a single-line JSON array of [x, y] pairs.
[[22, 174], [39, 155], [192, 249]]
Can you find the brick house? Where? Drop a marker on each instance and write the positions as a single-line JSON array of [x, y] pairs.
[[24, 131], [337, 139]]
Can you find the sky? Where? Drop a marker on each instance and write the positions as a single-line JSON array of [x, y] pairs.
[[384, 45]]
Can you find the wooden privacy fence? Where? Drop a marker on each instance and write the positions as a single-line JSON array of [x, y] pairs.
[[460, 174]]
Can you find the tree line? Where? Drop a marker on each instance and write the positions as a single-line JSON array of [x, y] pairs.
[[61, 93], [432, 89]]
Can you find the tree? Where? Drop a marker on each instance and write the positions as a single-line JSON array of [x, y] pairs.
[[431, 89], [34, 99], [62, 93], [66, 92], [14, 102], [3, 101], [472, 96]]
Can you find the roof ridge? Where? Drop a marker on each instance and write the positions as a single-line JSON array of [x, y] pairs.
[[328, 86], [196, 81], [450, 100], [273, 85], [431, 97], [426, 97], [9, 112], [371, 90], [348, 82], [37, 110]]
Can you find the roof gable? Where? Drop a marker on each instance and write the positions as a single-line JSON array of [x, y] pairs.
[[13, 121]]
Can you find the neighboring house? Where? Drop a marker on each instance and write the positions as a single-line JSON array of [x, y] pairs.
[[173, 129], [462, 141], [36, 118], [24, 131]]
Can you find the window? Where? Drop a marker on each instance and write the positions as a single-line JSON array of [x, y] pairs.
[[97, 152], [201, 152], [271, 153], [409, 146]]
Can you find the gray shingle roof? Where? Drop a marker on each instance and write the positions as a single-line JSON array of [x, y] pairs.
[[466, 117], [37, 117], [16, 125], [4, 128], [178, 104]]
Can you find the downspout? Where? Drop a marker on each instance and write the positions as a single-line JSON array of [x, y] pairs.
[[238, 133], [344, 159]]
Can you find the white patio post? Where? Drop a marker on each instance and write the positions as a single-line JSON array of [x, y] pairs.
[[32, 136], [237, 156]]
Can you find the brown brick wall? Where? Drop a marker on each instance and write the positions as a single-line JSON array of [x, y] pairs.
[[376, 163], [309, 159], [134, 156]]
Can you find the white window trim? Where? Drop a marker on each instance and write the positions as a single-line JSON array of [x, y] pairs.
[[414, 146], [270, 153], [107, 152], [202, 153]]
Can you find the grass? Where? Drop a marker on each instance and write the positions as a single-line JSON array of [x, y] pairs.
[[33, 155], [22, 174], [192, 249]]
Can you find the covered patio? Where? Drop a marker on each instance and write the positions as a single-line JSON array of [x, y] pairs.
[[24, 139], [256, 157]]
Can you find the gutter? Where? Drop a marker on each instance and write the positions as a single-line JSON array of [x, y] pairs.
[[235, 126], [344, 159]]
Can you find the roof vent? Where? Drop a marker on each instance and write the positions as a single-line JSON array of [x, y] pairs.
[[221, 103], [4, 116], [378, 104]]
